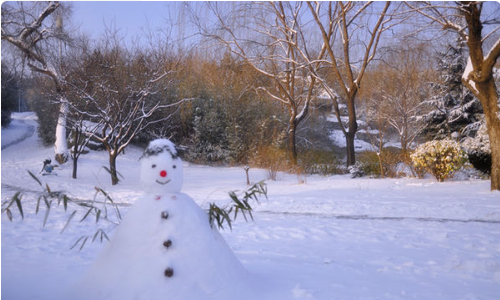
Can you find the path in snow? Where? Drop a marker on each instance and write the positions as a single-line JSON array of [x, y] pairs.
[[374, 218], [19, 129]]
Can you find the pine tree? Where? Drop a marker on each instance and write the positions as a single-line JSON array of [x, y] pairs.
[[456, 111], [209, 140]]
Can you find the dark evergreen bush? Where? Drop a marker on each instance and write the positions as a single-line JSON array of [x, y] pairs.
[[46, 109], [9, 95], [480, 161]]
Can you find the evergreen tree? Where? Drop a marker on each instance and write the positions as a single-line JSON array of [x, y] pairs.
[[9, 95], [478, 149], [455, 110], [209, 140]]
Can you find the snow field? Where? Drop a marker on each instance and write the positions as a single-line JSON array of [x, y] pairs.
[[332, 238]]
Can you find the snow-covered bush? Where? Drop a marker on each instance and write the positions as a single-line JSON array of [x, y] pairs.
[[440, 158], [356, 170]]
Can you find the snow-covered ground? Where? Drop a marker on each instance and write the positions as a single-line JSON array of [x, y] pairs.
[[331, 238]]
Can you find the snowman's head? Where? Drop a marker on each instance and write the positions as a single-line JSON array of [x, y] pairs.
[[161, 168]]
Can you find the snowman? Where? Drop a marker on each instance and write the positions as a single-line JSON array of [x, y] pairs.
[[165, 248]]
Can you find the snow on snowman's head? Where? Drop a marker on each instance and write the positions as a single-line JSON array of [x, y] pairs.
[[161, 168]]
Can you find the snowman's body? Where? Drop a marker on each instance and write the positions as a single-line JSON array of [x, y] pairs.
[[165, 245]]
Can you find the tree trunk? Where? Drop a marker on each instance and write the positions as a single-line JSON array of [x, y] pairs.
[[403, 144], [75, 166], [494, 134], [61, 143], [380, 163], [489, 100], [75, 154], [481, 83], [112, 169], [291, 142], [353, 127], [351, 154]]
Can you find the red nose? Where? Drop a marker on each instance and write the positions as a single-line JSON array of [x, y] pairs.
[[163, 173]]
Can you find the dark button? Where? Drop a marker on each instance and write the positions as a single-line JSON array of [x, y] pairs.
[[164, 214], [167, 244], [169, 272]]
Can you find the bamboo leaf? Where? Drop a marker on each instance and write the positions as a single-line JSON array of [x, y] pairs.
[[235, 199], [83, 244], [86, 214], [65, 202], [108, 197], [109, 171], [95, 235], [96, 193], [69, 220], [228, 220], [71, 248], [9, 214], [247, 205], [250, 213], [34, 177], [12, 200], [118, 213], [47, 212], [76, 243], [105, 211], [105, 235], [19, 205], [244, 215], [38, 204], [98, 214]]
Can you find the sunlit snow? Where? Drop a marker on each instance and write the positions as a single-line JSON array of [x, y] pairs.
[[331, 238]]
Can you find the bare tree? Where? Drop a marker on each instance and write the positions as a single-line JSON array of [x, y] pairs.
[[32, 28], [273, 42], [82, 133], [468, 19], [119, 93], [376, 118], [349, 24], [402, 82]]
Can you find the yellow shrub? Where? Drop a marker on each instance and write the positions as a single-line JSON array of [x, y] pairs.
[[440, 158]]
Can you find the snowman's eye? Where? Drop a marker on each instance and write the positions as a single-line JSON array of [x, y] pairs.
[[153, 166], [174, 166]]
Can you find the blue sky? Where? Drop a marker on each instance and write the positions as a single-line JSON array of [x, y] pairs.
[[131, 17]]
